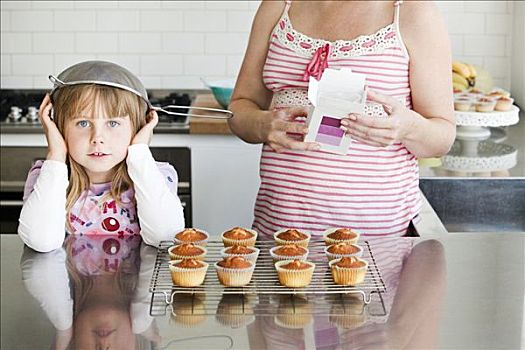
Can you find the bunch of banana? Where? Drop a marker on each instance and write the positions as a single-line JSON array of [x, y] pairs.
[[463, 75]]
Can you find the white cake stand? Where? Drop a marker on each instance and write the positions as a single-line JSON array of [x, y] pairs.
[[473, 125], [476, 156]]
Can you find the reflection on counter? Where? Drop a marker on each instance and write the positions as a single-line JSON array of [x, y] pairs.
[[94, 292], [406, 316]]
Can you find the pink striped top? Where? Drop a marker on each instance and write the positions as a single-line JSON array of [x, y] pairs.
[[370, 189]]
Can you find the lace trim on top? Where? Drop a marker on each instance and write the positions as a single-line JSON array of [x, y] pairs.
[[362, 45], [299, 97]]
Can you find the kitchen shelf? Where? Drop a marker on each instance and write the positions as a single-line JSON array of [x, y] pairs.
[[264, 284]]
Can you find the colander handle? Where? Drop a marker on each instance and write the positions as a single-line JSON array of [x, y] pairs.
[[222, 113], [56, 81]]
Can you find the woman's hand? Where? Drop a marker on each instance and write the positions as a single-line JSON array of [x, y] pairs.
[[57, 148], [282, 122], [144, 135], [376, 131]]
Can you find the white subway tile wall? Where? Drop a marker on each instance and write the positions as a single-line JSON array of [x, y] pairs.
[[173, 44]]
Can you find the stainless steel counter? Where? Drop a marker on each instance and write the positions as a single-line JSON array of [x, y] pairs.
[[465, 291]]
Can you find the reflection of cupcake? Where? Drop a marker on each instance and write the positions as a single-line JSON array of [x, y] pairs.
[[188, 272], [187, 251], [348, 271], [340, 235], [234, 271], [235, 311], [340, 250], [288, 252], [294, 313], [295, 273], [192, 235], [188, 310], [249, 253], [292, 236], [239, 236], [350, 313]]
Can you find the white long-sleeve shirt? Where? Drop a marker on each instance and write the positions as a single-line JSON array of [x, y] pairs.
[[157, 215]]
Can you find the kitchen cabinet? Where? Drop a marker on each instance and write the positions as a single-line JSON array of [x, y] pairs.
[[225, 180]]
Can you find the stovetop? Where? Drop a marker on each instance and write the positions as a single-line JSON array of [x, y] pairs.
[[19, 110]]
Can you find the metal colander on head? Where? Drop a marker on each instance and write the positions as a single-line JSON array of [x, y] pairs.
[[111, 74]]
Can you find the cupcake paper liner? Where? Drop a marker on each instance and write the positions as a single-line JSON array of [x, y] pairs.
[[277, 257], [329, 241], [252, 257], [201, 243], [294, 278], [302, 243], [249, 242], [187, 277], [234, 277], [348, 276], [174, 256], [332, 256]]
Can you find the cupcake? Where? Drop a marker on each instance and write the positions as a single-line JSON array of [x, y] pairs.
[[348, 271], [292, 236], [192, 235], [234, 271], [295, 273], [340, 235], [288, 252], [239, 236], [341, 250], [485, 104], [504, 103], [188, 272], [497, 93], [462, 104], [249, 253], [187, 251]]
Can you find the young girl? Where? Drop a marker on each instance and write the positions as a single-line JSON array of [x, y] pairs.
[[101, 134]]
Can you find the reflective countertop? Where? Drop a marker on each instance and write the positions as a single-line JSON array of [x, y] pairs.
[[463, 291]]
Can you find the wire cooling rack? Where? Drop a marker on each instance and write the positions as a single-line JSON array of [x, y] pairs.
[[264, 286]]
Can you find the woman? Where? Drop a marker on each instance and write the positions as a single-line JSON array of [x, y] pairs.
[[404, 52]]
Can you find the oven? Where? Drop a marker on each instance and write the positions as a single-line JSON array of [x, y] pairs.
[[16, 162]]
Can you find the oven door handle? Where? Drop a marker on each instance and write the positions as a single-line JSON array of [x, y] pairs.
[[11, 203]]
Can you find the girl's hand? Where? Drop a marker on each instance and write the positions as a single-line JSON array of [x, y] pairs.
[[376, 131], [144, 135], [280, 123], [57, 148]]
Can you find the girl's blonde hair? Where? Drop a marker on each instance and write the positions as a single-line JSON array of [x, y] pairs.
[[72, 101]]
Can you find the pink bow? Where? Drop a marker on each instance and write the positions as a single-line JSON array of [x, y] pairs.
[[318, 63]]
